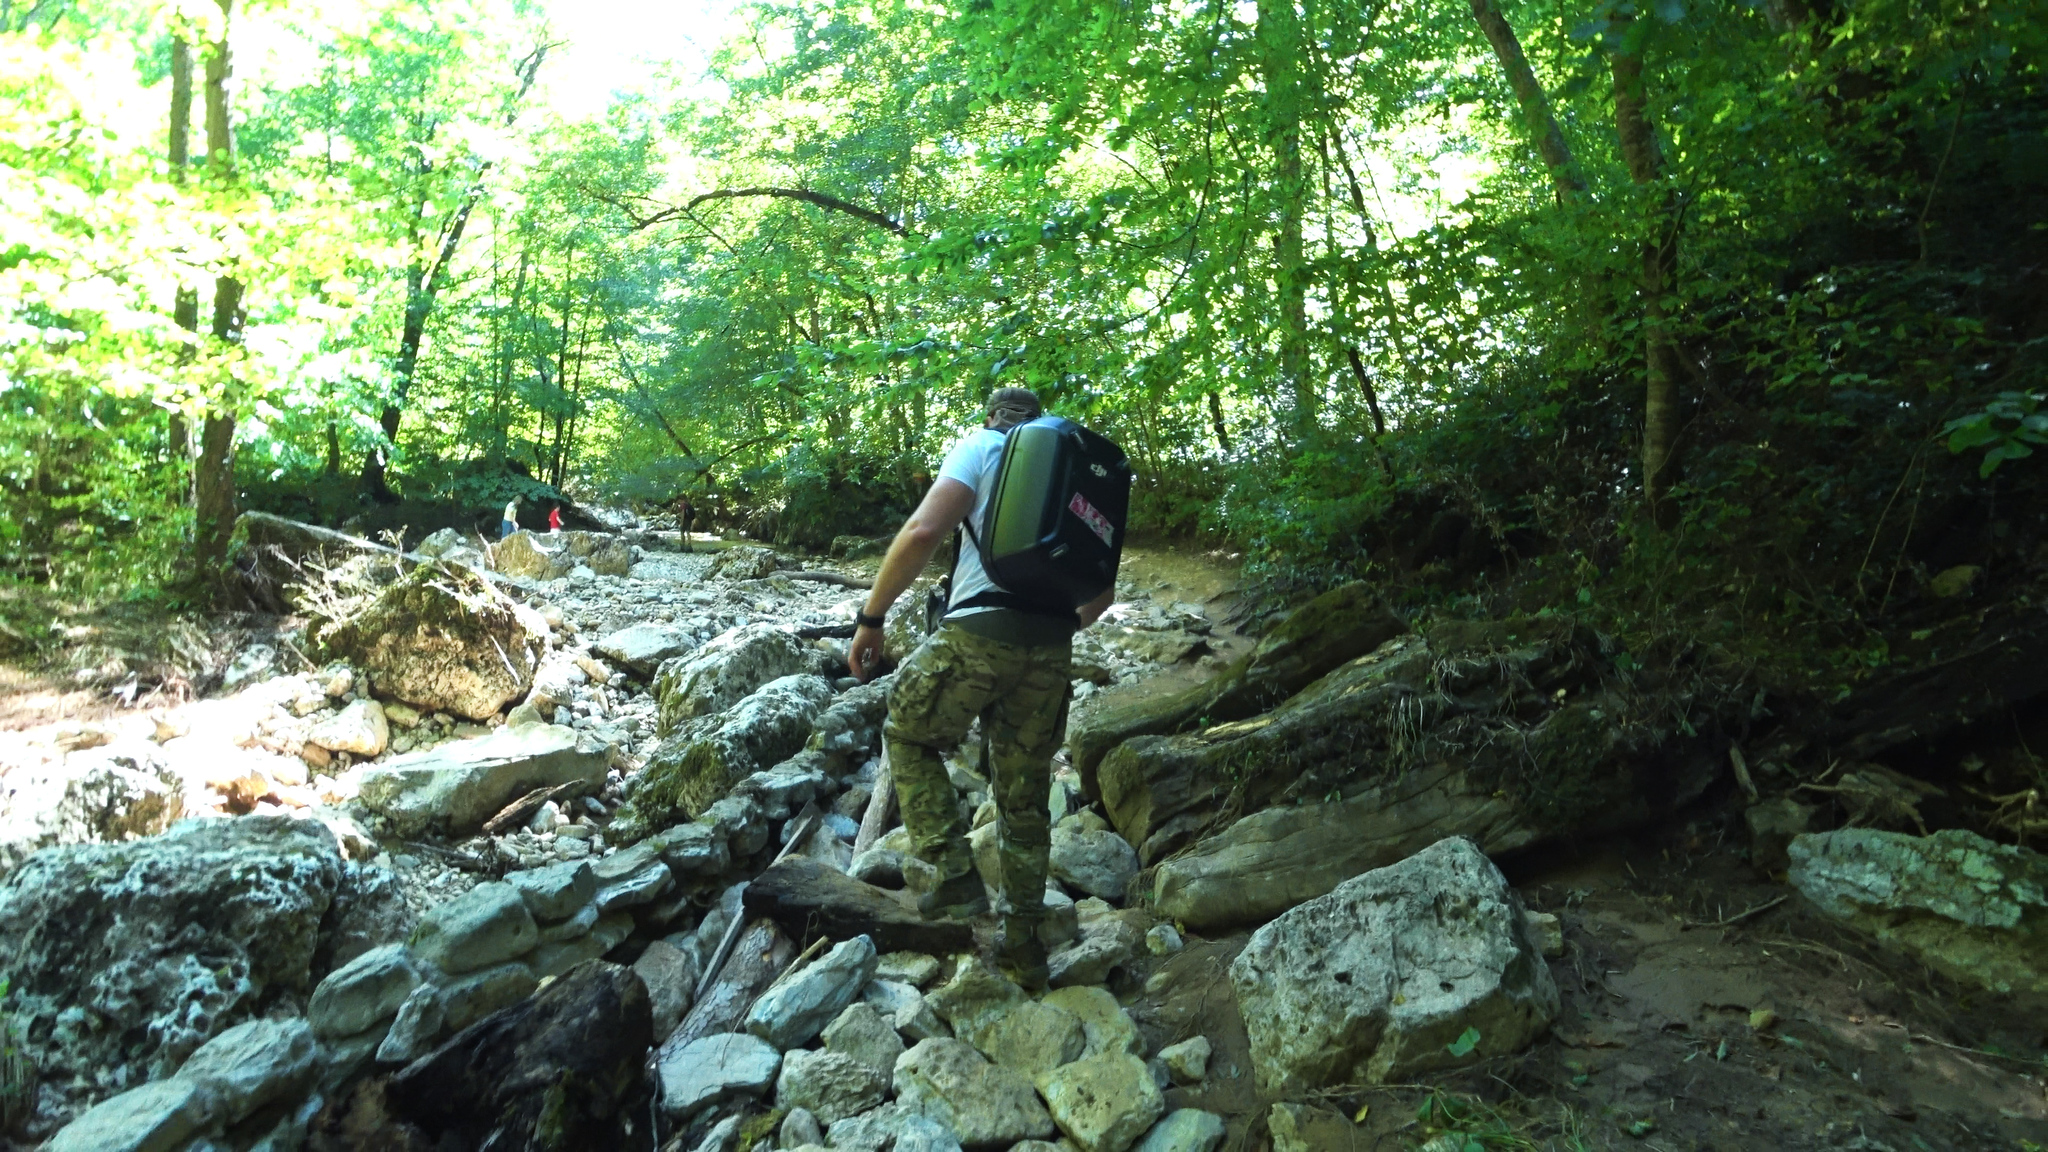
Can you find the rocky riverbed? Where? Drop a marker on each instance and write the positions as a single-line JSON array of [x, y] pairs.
[[582, 842]]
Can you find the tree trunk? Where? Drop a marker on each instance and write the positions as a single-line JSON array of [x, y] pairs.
[[1660, 355], [213, 475], [422, 286], [1216, 422], [1281, 53], [1537, 118], [185, 305]]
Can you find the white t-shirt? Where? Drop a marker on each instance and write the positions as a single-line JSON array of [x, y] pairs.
[[512, 510], [973, 462]]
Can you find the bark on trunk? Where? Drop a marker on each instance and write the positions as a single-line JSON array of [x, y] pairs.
[[213, 474], [1281, 53], [1659, 254], [185, 305], [1537, 118]]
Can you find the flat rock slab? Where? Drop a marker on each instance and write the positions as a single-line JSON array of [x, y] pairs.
[[1961, 904], [810, 898], [457, 786], [642, 647], [714, 1067], [1378, 979]]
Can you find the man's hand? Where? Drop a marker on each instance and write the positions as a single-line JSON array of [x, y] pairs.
[[864, 655]]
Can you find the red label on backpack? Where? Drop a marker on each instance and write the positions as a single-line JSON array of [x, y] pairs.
[[1096, 521]]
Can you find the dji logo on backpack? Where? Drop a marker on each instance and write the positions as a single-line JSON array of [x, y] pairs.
[[1098, 469]]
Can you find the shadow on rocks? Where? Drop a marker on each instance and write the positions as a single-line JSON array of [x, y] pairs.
[[561, 1070]]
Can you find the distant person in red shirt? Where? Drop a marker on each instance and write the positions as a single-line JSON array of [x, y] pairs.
[[555, 519]]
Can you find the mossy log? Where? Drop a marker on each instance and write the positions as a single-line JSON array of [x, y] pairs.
[[1337, 626]]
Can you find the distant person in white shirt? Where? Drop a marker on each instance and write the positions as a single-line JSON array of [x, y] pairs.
[[510, 524]]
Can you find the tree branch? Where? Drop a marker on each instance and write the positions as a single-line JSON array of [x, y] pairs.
[[819, 199]]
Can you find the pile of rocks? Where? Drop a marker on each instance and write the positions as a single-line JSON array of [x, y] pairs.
[[860, 1049]]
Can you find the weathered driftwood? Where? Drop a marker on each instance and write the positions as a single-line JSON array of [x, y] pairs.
[[1337, 626], [808, 898], [518, 812], [880, 810], [760, 956]]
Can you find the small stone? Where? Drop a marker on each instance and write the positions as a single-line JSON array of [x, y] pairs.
[[906, 1008], [1185, 1130], [642, 887], [974, 998], [711, 1068], [556, 892], [913, 968], [363, 992], [1545, 932], [470, 998], [862, 1032], [830, 1085], [1100, 863], [1187, 1060], [483, 926], [360, 728], [1162, 940], [800, 1129], [1301, 1128], [403, 715], [1104, 1103]]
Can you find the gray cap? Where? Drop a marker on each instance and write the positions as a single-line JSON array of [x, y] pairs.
[[1009, 406]]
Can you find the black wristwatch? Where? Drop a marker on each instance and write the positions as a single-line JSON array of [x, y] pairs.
[[866, 621]]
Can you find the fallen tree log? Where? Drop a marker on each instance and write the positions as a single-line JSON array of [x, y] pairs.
[[844, 581], [1512, 733], [1339, 625], [810, 898], [760, 956]]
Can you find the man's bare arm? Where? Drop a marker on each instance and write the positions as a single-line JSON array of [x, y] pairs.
[[1093, 610], [943, 508]]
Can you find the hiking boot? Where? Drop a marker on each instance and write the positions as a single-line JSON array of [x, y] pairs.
[[1020, 955], [961, 898]]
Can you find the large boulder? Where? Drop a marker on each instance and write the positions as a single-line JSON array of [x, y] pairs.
[[644, 646], [442, 639], [729, 667], [1412, 967], [1956, 902], [697, 765], [122, 959], [456, 786], [107, 794], [745, 562], [1528, 730], [525, 555], [1104, 1103]]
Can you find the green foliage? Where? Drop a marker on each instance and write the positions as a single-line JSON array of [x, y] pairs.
[[2006, 429]]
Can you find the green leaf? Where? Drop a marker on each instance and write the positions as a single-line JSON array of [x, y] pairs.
[[1464, 1045]]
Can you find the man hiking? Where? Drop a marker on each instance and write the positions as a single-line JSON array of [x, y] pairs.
[[1005, 665]]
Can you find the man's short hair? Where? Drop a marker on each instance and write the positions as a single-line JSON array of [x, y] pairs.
[[1012, 406]]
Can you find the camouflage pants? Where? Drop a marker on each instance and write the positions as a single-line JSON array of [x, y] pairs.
[[1020, 694]]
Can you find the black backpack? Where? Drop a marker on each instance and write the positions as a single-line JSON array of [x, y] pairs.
[[1054, 531]]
